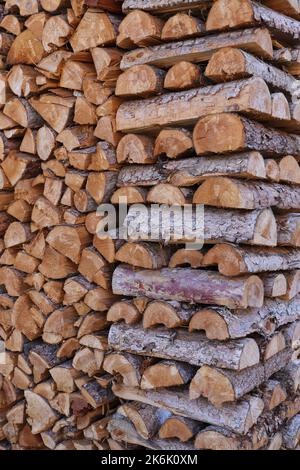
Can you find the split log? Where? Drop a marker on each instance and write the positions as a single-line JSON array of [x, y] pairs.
[[96, 28], [182, 26], [56, 111], [287, 228], [107, 62], [287, 7], [233, 64], [129, 195], [144, 255], [166, 374], [183, 76], [291, 433], [128, 366], [41, 417], [289, 170], [123, 310], [257, 227], [145, 418], [183, 284], [239, 417], [186, 258], [273, 394], [222, 133], [170, 195], [257, 41], [275, 284], [172, 109], [182, 346], [146, 34], [234, 260], [169, 314], [141, 81], [69, 241], [164, 6], [229, 193], [136, 149], [245, 13], [173, 143], [220, 386], [179, 427]]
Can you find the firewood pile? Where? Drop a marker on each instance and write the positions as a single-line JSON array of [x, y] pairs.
[[206, 341], [59, 65], [150, 340]]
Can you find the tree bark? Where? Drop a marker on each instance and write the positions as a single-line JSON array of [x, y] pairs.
[[193, 348], [250, 96]]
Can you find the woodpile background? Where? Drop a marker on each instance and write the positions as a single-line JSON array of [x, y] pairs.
[[145, 343]]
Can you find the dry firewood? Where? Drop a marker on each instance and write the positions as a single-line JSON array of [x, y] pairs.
[[109, 107], [107, 62], [220, 438], [130, 367], [124, 310], [280, 107], [69, 241], [22, 80], [53, 189], [289, 376], [96, 395], [77, 137], [245, 13], [182, 76], [180, 284], [287, 226], [55, 265], [238, 417], [13, 280], [144, 255], [291, 433], [73, 74], [100, 186], [166, 374], [171, 109], [104, 158], [60, 325], [16, 234], [257, 41], [291, 334], [12, 24], [170, 314], [257, 227], [164, 6], [41, 417], [180, 346], [234, 260], [84, 112], [94, 268], [146, 419], [96, 28], [289, 170], [121, 429], [165, 193], [56, 112], [28, 144], [52, 63], [179, 427], [146, 34], [246, 195], [56, 33], [233, 64], [220, 385], [141, 81], [243, 134], [18, 165], [21, 112], [129, 195], [173, 143], [42, 357], [106, 129], [45, 142], [19, 52], [88, 361], [186, 258], [107, 243], [26, 263], [94, 91], [275, 284], [20, 210], [45, 214], [182, 26], [75, 289], [135, 149], [273, 394]]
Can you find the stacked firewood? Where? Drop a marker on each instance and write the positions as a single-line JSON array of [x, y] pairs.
[[59, 65], [206, 341]]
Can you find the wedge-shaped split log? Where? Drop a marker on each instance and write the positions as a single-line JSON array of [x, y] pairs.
[[193, 348], [184, 284]]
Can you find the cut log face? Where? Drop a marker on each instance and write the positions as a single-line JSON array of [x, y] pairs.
[[222, 133], [166, 374], [170, 314], [244, 13], [140, 29], [183, 76], [173, 143], [136, 149], [140, 81], [182, 26], [179, 427]]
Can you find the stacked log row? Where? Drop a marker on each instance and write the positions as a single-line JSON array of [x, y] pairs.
[[206, 340], [59, 65]]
